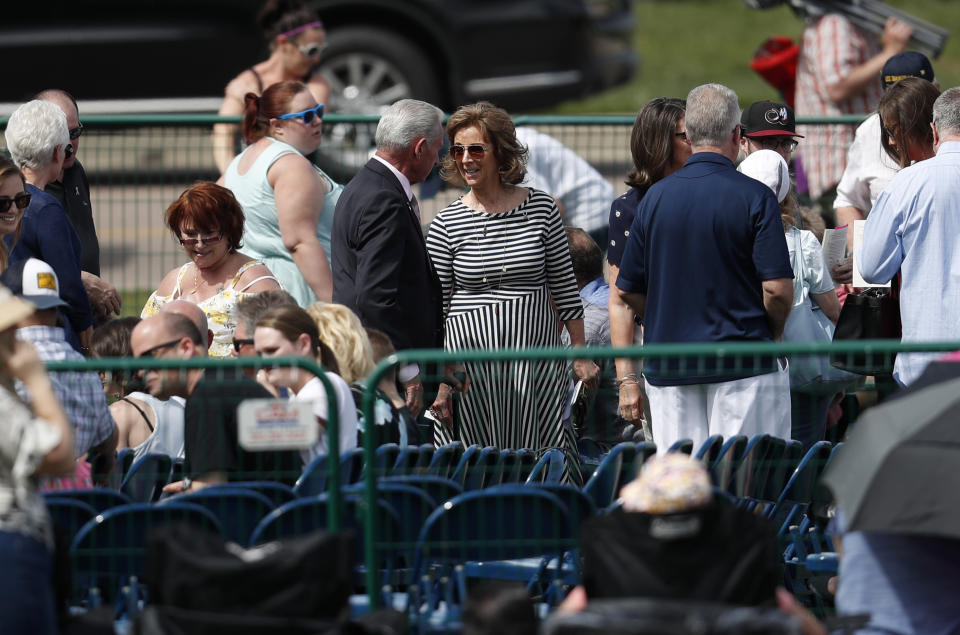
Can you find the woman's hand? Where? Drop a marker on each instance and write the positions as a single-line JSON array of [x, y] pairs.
[[442, 406], [586, 371], [413, 395], [24, 363]]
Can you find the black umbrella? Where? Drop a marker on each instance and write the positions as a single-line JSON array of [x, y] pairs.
[[900, 470]]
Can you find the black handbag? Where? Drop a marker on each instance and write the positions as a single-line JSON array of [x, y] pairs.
[[873, 314]]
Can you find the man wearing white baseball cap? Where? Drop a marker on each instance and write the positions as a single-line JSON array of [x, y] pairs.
[[80, 393]]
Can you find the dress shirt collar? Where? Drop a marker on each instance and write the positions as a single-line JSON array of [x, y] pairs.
[[949, 146], [404, 181], [593, 289]]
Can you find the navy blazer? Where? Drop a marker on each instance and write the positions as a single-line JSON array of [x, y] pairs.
[[379, 259]]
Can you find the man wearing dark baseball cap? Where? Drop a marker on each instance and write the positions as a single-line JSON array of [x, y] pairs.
[[769, 125], [869, 168]]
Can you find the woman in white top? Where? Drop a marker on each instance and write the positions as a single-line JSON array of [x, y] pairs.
[[32, 443], [287, 201], [289, 331]]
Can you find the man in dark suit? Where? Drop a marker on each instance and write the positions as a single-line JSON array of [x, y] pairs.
[[380, 264]]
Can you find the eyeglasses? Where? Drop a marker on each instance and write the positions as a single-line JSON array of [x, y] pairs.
[[193, 241], [475, 150], [312, 50], [769, 143], [682, 135], [152, 352], [76, 132], [307, 115], [21, 200], [238, 344]]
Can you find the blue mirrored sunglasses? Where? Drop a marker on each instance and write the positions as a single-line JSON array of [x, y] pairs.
[[306, 115]]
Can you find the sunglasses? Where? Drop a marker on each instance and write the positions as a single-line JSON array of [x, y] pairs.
[[787, 145], [475, 150], [21, 200], [307, 115], [152, 352], [76, 132], [312, 50], [193, 241], [238, 344]]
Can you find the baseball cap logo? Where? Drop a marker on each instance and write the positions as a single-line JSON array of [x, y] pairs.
[[46, 281], [776, 116]]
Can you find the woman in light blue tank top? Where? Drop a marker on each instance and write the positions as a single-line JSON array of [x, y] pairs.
[[288, 202]]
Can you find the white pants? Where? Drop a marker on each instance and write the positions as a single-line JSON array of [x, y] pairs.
[[749, 406]]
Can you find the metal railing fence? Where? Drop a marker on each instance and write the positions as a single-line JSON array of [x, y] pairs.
[[138, 164]]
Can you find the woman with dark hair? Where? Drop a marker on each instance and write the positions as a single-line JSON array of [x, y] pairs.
[[503, 261], [14, 198], [288, 202], [208, 223], [144, 423], [659, 147], [296, 39], [289, 331], [906, 111]]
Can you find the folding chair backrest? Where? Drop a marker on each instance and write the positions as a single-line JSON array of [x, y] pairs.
[[239, 510], [122, 465], [444, 460], [467, 460], [798, 492], [351, 466], [496, 523], [527, 459], [684, 446], [645, 449], [580, 507], [100, 498], [111, 547], [313, 479], [386, 459], [509, 466], [144, 481], [548, 468], [407, 461], [438, 489], [606, 480], [425, 457], [725, 466], [68, 515], [710, 450], [750, 473], [487, 470], [276, 493]]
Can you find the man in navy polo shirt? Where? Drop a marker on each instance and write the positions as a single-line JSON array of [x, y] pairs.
[[706, 261]]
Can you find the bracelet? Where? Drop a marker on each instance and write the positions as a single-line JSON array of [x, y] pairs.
[[628, 378]]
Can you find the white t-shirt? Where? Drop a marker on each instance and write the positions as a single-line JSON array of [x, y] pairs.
[[314, 392], [869, 169]]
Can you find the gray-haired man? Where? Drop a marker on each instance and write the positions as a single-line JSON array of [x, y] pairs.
[[379, 258]]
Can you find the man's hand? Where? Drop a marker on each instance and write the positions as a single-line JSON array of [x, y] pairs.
[[413, 395], [586, 371], [442, 406], [896, 36], [103, 296]]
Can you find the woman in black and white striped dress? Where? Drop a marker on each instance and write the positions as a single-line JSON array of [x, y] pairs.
[[501, 255]]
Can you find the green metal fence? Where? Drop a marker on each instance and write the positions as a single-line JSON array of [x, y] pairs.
[[139, 164]]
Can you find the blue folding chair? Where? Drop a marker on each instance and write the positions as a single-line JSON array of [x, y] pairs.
[[792, 503], [69, 515], [723, 469], [548, 468], [313, 479], [425, 457], [437, 488], [385, 459], [276, 493], [580, 507], [487, 530], [239, 510], [445, 460], [407, 461], [144, 481], [645, 450], [485, 472], [615, 470], [111, 547], [749, 474], [710, 450], [683, 446], [509, 466], [467, 460], [121, 466], [100, 498], [527, 458]]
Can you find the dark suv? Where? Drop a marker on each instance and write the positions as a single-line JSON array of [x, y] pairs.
[[520, 54]]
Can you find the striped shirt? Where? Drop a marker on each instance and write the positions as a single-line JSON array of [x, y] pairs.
[[832, 47], [80, 393], [483, 259]]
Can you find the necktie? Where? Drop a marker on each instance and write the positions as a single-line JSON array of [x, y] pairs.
[[416, 207]]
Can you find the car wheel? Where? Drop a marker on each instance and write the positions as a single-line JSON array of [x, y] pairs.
[[369, 69]]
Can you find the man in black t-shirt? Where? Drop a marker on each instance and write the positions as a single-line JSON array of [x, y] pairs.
[[212, 451], [73, 192]]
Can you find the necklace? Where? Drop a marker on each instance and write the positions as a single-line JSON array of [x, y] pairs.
[[196, 281]]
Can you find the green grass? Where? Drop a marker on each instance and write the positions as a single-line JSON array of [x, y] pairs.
[[685, 43]]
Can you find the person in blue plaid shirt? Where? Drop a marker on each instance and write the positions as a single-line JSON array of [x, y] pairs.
[[80, 393]]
